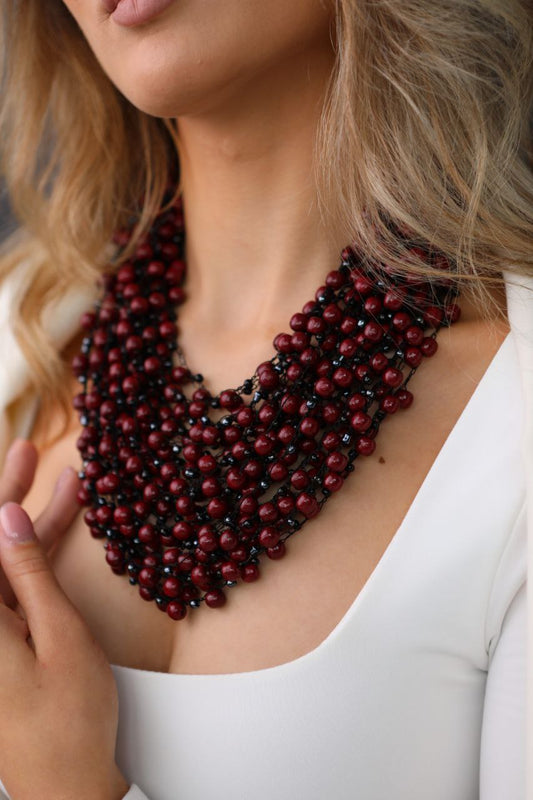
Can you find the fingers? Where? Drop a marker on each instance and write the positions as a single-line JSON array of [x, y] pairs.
[[18, 472], [60, 512], [42, 600]]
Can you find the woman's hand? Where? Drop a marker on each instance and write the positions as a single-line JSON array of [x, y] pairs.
[[58, 699], [15, 482]]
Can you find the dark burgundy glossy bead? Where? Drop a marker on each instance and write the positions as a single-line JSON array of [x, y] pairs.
[[428, 347], [309, 426], [171, 587], [389, 404], [414, 335], [230, 571], [331, 413], [201, 577], [215, 598], [147, 534], [337, 461], [308, 357], [239, 554], [185, 563], [139, 305], [294, 372], [148, 577], [269, 537], [342, 377], [331, 441], [298, 322], [211, 487], [217, 508], [363, 285], [245, 416], [373, 332], [333, 481], [253, 469], [230, 400], [277, 551], [228, 540], [348, 325], [268, 512], [115, 558], [278, 471], [146, 594], [394, 299], [290, 404], [405, 398], [348, 348], [210, 436], [123, 515], [332, 314], [250, 573], [283, 343], [263, 445], [299, 479], [324, 387], [452, 313], [267, 414], [315, 326], [235, 479], [360, 421], [299, 341], [248, 505], [176, 610], [401, 321], [365, 445], [433, 316], [373, 305], [413, 356], [393, 377], [286, 505], [307, 505], [207, 464], [379, 362]]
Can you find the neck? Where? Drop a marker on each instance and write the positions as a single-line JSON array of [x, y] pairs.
[[256, 245]]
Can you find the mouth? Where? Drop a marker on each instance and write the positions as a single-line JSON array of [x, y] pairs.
[[130, 13]]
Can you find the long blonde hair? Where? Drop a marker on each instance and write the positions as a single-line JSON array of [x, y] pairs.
[[427, 121]]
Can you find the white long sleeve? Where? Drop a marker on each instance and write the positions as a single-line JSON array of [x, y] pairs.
[[135, 794], [503, 740]]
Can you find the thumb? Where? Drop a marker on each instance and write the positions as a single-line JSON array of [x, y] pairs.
[[29, 574]]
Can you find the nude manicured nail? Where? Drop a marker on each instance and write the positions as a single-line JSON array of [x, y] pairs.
[[15, 523], [15, 446], [64, 476]]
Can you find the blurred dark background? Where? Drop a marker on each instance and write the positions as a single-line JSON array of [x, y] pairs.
[[6, 218]]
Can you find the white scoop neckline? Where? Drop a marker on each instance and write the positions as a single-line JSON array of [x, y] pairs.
[[431, 477]]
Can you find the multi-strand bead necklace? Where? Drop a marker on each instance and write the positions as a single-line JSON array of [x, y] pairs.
[[189, 489]]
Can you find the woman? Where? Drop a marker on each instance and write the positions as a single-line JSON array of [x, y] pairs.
[[384, 655]]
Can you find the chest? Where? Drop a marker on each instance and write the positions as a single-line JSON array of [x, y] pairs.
[[300, 598]]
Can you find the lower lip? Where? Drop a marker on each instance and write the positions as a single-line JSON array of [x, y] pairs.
[[130, 13]]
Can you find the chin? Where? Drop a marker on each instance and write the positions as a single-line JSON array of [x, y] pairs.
[[173, 95]]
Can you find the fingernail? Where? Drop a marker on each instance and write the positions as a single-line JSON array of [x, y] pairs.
[[64, 476], [16, 524], [15, 446]]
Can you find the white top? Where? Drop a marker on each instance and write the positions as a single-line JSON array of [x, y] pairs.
[[391, 704], [418, 691]]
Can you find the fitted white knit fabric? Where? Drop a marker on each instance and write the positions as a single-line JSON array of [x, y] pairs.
[[392, 703], [419, 691]]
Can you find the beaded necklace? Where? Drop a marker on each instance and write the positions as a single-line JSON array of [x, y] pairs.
[[189, 490]]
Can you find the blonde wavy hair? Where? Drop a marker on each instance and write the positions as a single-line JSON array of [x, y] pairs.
[[427, 122]]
